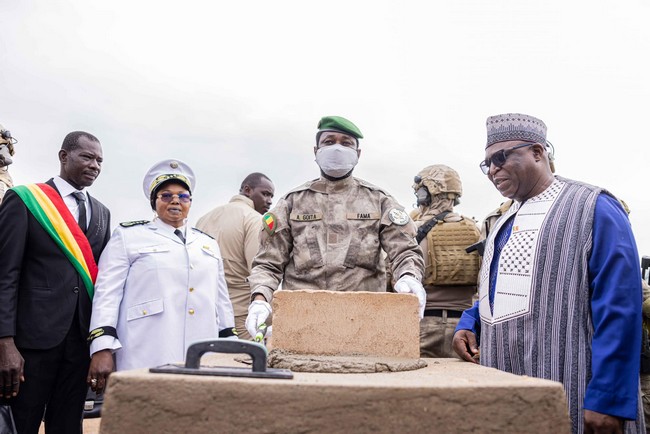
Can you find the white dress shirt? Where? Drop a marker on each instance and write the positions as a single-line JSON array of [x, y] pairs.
[[66, 190]]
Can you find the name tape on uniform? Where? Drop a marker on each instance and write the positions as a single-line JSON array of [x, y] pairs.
[[305, 217], [363, 216]]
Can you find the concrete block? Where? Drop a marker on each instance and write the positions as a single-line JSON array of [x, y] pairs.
[[448, 396], [346, 323]]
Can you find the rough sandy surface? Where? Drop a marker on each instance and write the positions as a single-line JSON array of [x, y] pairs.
[[340, 364]]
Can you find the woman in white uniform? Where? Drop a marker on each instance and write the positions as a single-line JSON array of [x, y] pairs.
[[160, 285]]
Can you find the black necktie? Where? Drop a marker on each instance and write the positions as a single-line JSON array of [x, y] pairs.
[[180, 235], [81, 203]]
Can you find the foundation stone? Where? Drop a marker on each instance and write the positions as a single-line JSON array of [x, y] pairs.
[[346, 323], [447, 396]]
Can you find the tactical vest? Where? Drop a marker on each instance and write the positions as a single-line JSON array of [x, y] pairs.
[[449, 263]]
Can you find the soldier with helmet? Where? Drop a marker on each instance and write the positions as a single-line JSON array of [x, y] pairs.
[[450, 273], [329, 233], [7, 143]]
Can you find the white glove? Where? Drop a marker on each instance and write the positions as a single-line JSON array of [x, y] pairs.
[[410, 285], [258, 312]]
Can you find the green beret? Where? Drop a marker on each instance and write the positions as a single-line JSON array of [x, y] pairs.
[[337, 123]]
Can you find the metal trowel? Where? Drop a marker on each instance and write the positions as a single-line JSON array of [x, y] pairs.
[[256, 351]]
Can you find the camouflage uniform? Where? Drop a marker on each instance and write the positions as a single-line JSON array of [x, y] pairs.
[[6, 151], [493, 216], [329, 235], [5, 181], [450, 273]]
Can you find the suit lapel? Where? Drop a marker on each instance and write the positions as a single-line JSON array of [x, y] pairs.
[[98, 225], [191, 235], [172, 236]]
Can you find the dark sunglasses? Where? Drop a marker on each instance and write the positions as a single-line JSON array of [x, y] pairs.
[[182, 198], [499, 157]]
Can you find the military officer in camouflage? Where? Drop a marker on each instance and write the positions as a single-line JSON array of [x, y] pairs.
[[6, 152], [450, 273], [328, 234]]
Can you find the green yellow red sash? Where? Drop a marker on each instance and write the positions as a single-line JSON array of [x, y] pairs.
[[51, 212]]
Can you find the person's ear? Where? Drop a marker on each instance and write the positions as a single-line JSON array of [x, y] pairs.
[[358, 152], [315, 149], [538, 151]]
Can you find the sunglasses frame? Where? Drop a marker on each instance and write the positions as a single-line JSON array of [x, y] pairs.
[[181, 197], [503, 157]]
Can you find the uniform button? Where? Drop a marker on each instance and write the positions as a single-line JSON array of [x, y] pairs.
[[144, 312], [76, 290], [191, 266], [191, 289], [191, 311]]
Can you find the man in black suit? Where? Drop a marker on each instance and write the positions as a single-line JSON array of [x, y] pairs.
[[44, 304]]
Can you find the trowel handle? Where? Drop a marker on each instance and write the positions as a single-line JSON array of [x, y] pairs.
[[198, 349]]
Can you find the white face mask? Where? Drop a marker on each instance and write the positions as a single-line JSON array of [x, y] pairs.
[[336, 160]]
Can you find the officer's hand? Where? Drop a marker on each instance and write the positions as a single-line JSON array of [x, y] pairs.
[[464, 343], [101, 366], [408, 284], [258, 312], [11, 368], [597, 423]]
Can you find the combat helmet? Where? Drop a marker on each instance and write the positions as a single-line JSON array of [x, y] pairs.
[[439, 179], [5, 136], [6, 147]]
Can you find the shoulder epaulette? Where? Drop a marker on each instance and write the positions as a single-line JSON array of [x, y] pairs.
[[133, 223], [370, 186], [207, 235], [301, 187]]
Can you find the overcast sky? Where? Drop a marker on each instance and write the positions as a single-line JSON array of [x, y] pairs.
[[239, 86]]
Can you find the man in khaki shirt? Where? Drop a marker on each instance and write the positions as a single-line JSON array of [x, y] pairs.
[[328, 233], [236, 226]]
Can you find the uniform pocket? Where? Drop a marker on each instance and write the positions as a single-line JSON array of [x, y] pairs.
[[209, 252], [363, 250], [308, 255], [146, 309]]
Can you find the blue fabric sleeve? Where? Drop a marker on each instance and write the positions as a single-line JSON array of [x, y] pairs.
[[616, 299], [470, 320]]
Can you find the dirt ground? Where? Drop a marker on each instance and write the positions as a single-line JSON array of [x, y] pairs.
[[91, 426]]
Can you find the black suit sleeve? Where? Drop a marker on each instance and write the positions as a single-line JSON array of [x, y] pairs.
[[14, 225]]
